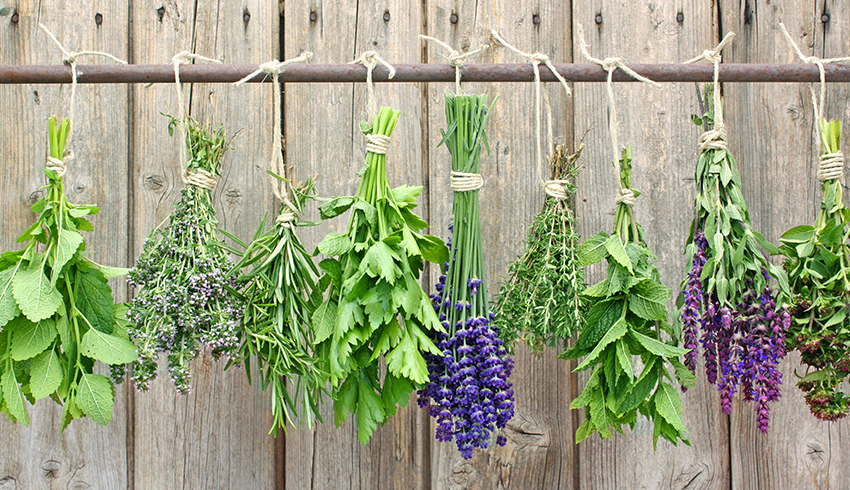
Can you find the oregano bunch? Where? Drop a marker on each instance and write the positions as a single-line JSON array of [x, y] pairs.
[[57, 313], [626, 317], [185, 303], [375, 307], [539, 303], [818, 265], [727, 302]]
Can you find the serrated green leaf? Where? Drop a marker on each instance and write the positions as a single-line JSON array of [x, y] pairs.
[[639, 392], [379, 261], [113, 272], [107, 348], [333, 269], [657, 347], [370, 411], [624, 358], [406, 361], [598, 290], [13, 397], [686, 378], [335, 244], [598, 414], [8, 306], [94, 300], [669, 405], [45, 374], [29, 339], [407, 194], [600, 317], [390, 336], [615, 248], [592, 250], [395, 393], [433, 249], [648, 300], [584, 398], [324, 320], [95, 396], [345, 400], [614, 332], [584, 430], [67, 244], [335, 207], [36, 297]]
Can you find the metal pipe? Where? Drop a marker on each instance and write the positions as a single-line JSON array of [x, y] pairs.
[[473, 72]]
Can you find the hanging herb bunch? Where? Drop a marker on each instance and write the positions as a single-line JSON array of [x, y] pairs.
[[540, 301], [626, 317], [727, 296], [375, 307], [57, 315], [818, 266], [185, 304], [468, 394]]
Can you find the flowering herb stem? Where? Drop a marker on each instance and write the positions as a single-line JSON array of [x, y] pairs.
[[626, 316], [818, 265]]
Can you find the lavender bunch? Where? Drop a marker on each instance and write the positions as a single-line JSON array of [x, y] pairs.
[[185, 303], [726, 300], [468, 392]]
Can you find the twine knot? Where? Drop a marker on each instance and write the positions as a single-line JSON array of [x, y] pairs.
[[466, 182], [199, 177], [455, 58], [831, 166], [626, 196], [378, 143], [713, 139], [286, 218], [60, 165], [556, 188]]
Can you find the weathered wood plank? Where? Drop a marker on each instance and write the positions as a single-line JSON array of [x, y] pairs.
[[85, 454], [778, 168], [217, 436], [657, 124], [539, 452], [323, 138]]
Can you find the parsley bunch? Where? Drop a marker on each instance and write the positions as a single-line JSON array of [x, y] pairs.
[[818, 266], [185, 303], [540, 302], [57, 315], [727, 293], [280, 295], [626, 316], [375, 306]]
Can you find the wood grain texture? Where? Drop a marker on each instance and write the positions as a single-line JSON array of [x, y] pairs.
[[39, 456], [539, 452], [217, 436], [656, 122], [778, 167], [323, 138]]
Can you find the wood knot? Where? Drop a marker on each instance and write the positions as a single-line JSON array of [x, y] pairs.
[[8, 483], [35, 196], [154, 183], [79, 485], [79, 188], [51, 468], [815, 454], [233, 196]]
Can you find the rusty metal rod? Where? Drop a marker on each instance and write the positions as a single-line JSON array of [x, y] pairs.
[[473, 72]]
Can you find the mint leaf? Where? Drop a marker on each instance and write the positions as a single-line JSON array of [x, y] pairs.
[[112, 272], [624, 358], [335, 244], [648, 300], [614, 246], [107, 348], [658, 348], [8, 306], [95, 396], [36, 297], [669, 405], [94, 300], [335, 207], [13, 397], [45, 374], [592, 250], [324, 319], [29, 339], [67, 244], [614, 332]]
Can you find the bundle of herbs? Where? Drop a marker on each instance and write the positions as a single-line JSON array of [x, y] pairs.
[[626, 317], [57, 313], [540, 301], [727, 295], [375, 306], [468, 393], [818, 266], [185, 303]]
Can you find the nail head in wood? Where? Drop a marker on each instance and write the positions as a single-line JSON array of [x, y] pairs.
[[453, 18], [680, 17], [386, 16], [160, 12], [15, 18], [98, 18], [313, 16], [246, 16], [598, 19], [535, 19], [824, 18]]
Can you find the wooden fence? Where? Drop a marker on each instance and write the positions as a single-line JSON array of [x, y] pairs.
[[217, 436]]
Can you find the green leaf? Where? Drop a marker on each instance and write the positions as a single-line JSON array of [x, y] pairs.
[[669, 405], [45, 374], [324, 320], [656, 347], [13, 397], [624, 358], [798, 234], [433, 249], [36, 297], [94, 300], [598, 290], [584, 430], [598, 414], [646, 382], [335, 207], [395, 393], [345, 400], [113, 272], [95, 396], [379, 261], [597, 322], [406, 361], [592, 250], [29, 339], [8, 306], [67, 244], [614, 332], [407, 194], [370, 411], [107, 348], [648, 300], [335, 244], [763, 243], [614, 246], [686, 378], [390, 336]]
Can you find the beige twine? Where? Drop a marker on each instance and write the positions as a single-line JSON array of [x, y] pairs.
[[715, 138], [831, 166], [455, 58], [196, 177], [274, 68], [466, 182], [60, 165], [371, 59], [554, 188], [610, 65]]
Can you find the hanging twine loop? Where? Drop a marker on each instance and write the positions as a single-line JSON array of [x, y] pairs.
[[554, 188], [197, 177], [60, 165], [831, 165], [466, 182], [610, 65], [715, 138], [274, 68], [455, 58], [371, 59]]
